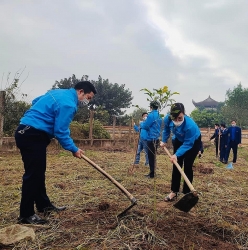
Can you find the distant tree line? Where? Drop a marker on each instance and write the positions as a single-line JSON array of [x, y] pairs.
[[234, 107], [113, 99]]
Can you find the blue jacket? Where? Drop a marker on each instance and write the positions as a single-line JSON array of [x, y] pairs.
[[152, 125], [53, 113], [215, 136], [224, 137], [187, 133], [237, 132], [143, 132]]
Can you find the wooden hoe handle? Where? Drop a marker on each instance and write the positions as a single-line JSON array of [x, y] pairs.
[[181, 171], [117, 184]]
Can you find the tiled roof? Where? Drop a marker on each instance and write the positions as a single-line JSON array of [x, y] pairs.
[[207, 103]]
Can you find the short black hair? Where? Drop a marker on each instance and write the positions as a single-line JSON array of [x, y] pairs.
[[217, 124], [154, 105], [176, 109], [145, 113], [223, 125], [86, 86], [233, 120]]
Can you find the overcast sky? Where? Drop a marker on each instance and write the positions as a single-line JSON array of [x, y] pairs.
[[197, 48]]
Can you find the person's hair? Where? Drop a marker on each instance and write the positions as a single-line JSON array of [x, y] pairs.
[[176, 109], [145, 113], [217, 124], [223, 125], [86, 86], [233, 120], [154, 105]]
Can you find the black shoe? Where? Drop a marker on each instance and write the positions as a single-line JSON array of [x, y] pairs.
[[51, 208], [225, 162], [34, 219], [149, 176]]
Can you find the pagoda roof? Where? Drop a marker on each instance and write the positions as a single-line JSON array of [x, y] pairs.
[[207, 103]]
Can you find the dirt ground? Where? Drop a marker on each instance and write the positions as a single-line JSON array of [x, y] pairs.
[[218, 221]]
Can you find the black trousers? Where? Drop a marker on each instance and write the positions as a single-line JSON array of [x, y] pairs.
[[186, 161], [216, 142], [152, 150], [32, 144], [234, 146]]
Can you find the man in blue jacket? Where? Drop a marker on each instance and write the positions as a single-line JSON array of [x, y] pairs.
[[223, 141], [152, 125], [216, 136], [234, 140], [49, 117], [142, 144]]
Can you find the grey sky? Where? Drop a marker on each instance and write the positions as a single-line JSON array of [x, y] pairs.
[[197, 48]]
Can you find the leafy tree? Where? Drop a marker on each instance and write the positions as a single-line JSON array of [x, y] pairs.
[[137, 114], [113, 98], [82, 114], [236, 105], [14, 108], [123, 120], [81, 131], [68, 83], [101, 115], [162, 96], [205, 118]]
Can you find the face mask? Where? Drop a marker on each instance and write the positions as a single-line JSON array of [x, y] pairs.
[[144, 118], [84, 102], [177, 124], [233, 125]]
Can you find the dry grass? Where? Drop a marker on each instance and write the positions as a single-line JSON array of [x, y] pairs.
[[219, 221]]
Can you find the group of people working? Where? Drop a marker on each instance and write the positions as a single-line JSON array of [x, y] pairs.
[[50, 116], [186, 142], [226, 139]]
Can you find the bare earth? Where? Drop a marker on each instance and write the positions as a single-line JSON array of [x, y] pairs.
[[218, 221]]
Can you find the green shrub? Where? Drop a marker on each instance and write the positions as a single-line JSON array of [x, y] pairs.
[[81, 131]]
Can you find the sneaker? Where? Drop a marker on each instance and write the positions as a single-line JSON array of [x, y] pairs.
[[149, 176], [51, 208], [34, 219]]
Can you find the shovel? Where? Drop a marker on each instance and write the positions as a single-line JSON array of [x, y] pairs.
[[117, 184], [189, 200]]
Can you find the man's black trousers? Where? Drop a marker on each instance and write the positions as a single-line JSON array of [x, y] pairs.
[[152, 149], [32, 144]]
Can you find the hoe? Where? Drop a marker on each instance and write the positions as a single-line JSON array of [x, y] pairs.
[[117, 184], [189, 200]]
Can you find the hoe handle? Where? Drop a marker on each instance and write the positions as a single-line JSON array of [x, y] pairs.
[[181, 171], [117, 184]]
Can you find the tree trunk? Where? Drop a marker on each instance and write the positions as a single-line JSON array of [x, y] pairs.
[[114, 123]]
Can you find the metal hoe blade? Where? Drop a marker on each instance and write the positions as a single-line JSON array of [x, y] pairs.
[[134, 202], [187, 202]]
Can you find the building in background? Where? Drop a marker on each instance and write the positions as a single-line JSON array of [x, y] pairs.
[[208, 103]]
